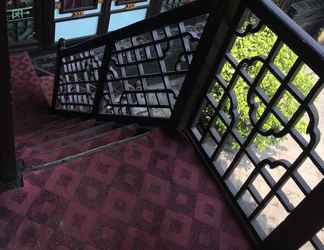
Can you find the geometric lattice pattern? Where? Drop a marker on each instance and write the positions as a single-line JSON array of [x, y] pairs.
[[42, 137], [170, 4], [151, 193], [258, 98], [317, 242], [146, 70], [133, 73], [78, 80]]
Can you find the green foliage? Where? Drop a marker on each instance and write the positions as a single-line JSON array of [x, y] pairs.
[[260, 44]]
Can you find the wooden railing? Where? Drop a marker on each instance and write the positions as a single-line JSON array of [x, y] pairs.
[[187, 68], [147, 58], [240, 98]]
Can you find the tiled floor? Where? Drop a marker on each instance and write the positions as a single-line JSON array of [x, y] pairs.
[[150, 193]]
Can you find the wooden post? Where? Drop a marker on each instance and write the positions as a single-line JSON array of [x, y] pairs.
[[104, 18], [9, 176], [301, 225], [213, 43], [60, 45], [44, 22], [102, 79], [154, 8]]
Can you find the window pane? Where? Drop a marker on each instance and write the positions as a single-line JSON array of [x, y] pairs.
[[120, 20], [57, 14], [71, 29]]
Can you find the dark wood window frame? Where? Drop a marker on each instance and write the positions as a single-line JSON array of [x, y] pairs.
[[64, 10], [122, 2], [45, 27]]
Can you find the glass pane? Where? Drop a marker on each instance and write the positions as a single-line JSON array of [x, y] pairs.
[[71, 29], [57, 14], [120, 20]]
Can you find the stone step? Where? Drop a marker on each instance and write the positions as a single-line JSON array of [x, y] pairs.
[[77, 143], [54, 132]]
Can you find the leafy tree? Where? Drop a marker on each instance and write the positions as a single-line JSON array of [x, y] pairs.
[[259, 44]]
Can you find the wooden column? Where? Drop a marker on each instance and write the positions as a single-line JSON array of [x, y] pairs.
[[104, 18], [301, 225], [44, 22], [155, 8], [8, 168], [213, 43]]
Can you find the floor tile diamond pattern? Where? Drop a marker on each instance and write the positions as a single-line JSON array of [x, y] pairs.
[[150, 193]]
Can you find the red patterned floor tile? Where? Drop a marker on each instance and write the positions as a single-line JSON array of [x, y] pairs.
[[129, 179], [108, 234], [9, 223], [229, 225], [39, 178], [20, 200], [209, 210], [48, 209], [156, 190], [30, 236], [182, 200], [228, 242], [103, 168], [80, 165], [119, 205], [62, 241], [137, 239], [78, 221], [176, 228], [148, 217], [204, 237], [91, 193], [168, 245], [186, 175], [63, 182], [121, 199], [161, 164], [137, 156]]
